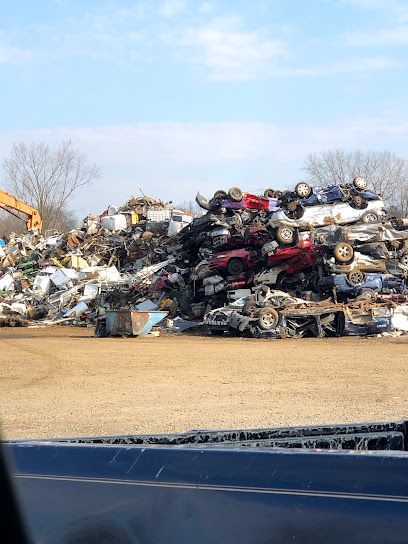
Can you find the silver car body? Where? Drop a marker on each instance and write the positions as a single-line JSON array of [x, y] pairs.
[[365, 232], [327, 214]]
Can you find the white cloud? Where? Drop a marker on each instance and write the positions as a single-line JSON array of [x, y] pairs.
[[230, 52], [205, 7], [173, 160], [222, 48], [15, 55], [170, 8], [397, 35]]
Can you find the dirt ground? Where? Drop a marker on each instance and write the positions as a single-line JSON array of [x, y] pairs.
[[62, 382]]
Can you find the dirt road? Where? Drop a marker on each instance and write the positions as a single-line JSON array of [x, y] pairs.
[[62, 382]]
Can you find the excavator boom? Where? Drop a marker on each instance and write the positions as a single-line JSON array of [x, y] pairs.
[[15, 206]]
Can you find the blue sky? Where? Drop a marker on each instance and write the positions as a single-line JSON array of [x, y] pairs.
[[175, 95]]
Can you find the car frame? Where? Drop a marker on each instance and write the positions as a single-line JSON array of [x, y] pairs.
[[327, 214]]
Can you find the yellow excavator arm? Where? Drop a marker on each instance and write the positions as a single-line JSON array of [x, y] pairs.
[[17, 207]]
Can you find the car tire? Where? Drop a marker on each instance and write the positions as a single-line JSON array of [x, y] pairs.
[[343, 252], [249, 307], [220, 194], [303, 189], [367, 294], [360, 183], [268, 319], [355, 277], [295, 211], [216, 332], [235, 194], [358, 202], [285, 235], [235, 266], [269, 193], [404, 260], [398, 223], [370, 217]]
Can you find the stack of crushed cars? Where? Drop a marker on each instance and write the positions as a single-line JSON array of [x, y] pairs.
[[309, 262]]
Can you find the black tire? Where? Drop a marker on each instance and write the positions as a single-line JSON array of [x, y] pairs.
[[394, 245], [398, 223], [235, 194], [269, 193], [268, 319], [370, 217], [303, 189], [343, 252], [355, 277], [220, 194], [249, 307], [358, 202], [285, 235], [235, 266], [295, 211], [360, 183], [404, 260]]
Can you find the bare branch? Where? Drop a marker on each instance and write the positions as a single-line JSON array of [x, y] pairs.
[[47, 178], [386, 172]]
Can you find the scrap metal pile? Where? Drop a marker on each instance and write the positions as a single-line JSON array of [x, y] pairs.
[[308, 262]]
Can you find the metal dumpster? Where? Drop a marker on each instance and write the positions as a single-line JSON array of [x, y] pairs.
[[131, 322]]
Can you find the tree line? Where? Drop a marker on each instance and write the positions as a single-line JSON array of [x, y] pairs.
[[47, 178]]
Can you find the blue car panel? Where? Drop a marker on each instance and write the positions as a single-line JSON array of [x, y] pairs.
[[381, 283], [329, 195]]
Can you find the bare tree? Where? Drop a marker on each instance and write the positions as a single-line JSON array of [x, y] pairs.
[[9, 224], [47, 178], [386, 173], [190, 207]]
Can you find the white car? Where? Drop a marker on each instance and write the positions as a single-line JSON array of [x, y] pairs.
[[327, 214], [217, 320]]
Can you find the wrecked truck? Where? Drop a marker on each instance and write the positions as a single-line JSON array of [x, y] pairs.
[[322, 483], [276, 314]]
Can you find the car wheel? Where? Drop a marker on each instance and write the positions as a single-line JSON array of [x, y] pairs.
[[358, 202], [220, 194], [398, 223], [404, 260], [394, 245], [295, 210], [360, 183], [268, 318], [249, 307], [367, 294], [269, 193], [370, 217], [216, 332], [285, 235], [235, 193], [343, 252], [355, 277], [303, 189], [235, 266]]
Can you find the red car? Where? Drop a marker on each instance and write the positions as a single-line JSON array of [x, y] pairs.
[[234, 261], [253, 237], [237, 199], [253, 202], [295, 258]]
